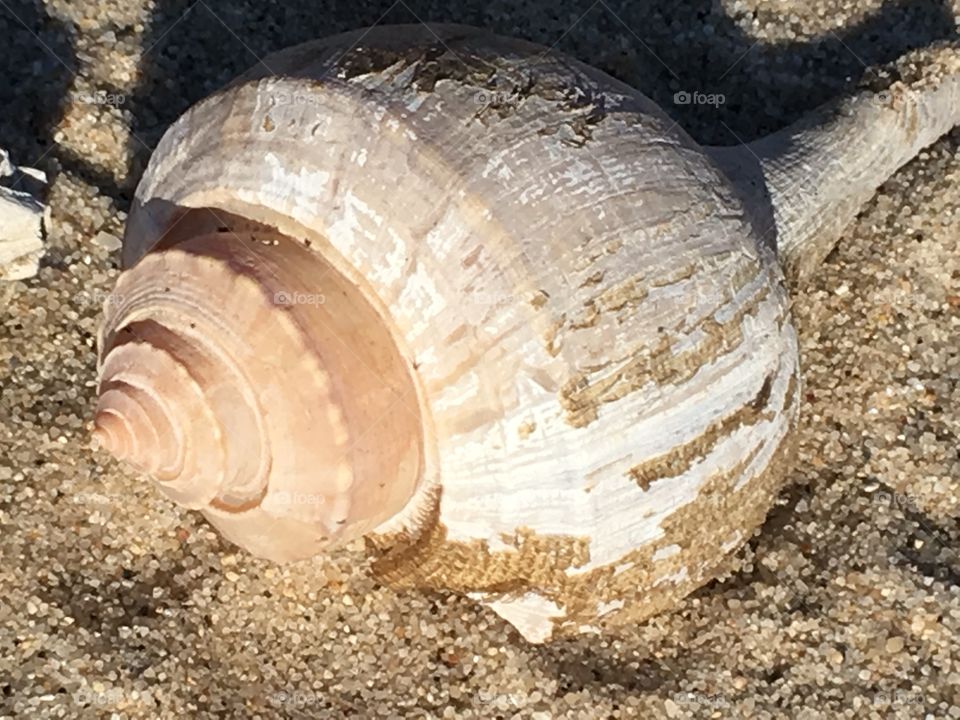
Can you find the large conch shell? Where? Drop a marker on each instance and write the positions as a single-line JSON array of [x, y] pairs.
[[476, 301]]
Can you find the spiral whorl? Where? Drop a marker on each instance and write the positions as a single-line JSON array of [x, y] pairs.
[[252, 381]]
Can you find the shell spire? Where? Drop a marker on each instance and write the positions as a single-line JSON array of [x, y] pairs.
[[257, 385]]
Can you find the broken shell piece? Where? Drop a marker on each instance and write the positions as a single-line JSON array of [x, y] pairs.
[[21, 220]]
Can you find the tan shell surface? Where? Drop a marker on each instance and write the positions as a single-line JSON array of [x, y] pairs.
[[604, 359]]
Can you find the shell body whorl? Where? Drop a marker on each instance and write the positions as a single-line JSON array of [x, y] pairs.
[[594, 348]]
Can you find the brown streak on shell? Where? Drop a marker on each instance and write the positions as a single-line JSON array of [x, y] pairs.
[[431, 560], [583, 395], [681, 457]]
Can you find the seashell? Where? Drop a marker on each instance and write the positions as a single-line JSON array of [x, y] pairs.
[[22, 217], [485, 306]]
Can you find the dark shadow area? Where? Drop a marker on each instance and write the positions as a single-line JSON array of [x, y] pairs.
[[192, 47], [38, 53], [606, 671], [728, 62], [112, 607]]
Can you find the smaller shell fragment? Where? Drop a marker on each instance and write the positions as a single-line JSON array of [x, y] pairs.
[[21, 220]]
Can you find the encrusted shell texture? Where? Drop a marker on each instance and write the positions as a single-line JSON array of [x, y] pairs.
[[591, 371]]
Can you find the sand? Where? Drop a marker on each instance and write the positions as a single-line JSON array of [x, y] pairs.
[[846, 603]]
